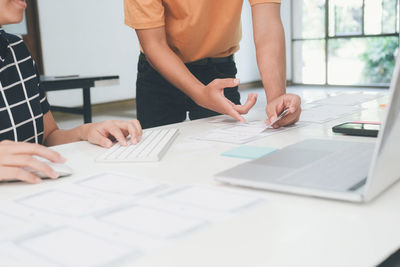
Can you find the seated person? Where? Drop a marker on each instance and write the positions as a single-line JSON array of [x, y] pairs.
[[25, 120]]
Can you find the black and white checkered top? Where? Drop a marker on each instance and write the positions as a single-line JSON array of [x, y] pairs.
[[22, 100]]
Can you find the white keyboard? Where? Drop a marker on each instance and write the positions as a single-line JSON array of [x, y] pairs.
[[152, 146]]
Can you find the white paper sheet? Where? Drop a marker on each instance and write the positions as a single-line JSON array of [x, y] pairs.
[[211, 198], [243, 133], [207, 215], [65, 203], [12, 227], [325, 113], [153, 222], [11, 255], [33, 216], [119, 184], [139, 241], [115, 221], [351, 99], [71, 247]]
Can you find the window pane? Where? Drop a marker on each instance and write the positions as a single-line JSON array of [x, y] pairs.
[[308, 19], [380, 16], [345, 17], [373, 17], [309, 62], [361, 61], [389, 16], [398, 17]]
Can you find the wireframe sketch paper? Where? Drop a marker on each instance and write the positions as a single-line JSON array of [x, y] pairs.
[[119, 218], [72, 247], [325, 113], [244, 133], [336, 107], [349, 99]]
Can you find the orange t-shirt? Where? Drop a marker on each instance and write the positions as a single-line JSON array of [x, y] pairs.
[[195, 29]]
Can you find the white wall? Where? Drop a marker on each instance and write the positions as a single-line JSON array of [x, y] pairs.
[[286, 15], [246, 57], [89, 38]]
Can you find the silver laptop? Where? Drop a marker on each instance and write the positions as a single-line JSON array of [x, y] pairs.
[[345, 170]]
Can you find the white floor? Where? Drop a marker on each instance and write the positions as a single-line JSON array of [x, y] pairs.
[[126, 110]]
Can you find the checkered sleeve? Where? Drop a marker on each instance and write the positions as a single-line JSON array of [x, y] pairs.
[[43, 99]]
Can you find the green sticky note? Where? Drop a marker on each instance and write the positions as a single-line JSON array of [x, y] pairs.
[[248, 152]]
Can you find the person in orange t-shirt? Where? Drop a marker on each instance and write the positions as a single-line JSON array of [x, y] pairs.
[[186, 62]]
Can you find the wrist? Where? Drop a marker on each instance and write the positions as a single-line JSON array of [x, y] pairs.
[[271, 96], [197, 93], [83, 131]]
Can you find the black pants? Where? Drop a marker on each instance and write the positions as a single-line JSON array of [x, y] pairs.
[[160, 103]]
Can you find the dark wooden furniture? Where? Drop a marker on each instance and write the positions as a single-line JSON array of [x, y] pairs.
[[55, 83]]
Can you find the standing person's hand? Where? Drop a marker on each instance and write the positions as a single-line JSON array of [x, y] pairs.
[[16, 157], [278, 105], [104, 133], [212, 97]]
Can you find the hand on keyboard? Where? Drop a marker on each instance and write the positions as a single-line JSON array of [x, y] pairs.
[[102, 133], [153, 145]]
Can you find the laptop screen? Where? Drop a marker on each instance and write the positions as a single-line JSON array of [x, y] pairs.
[[384, 170]]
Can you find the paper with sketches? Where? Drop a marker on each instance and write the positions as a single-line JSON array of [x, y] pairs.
[[107, 219], [346, 99], [325, 113], [243, 133]]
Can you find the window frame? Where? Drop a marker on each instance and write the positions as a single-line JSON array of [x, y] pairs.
[[327, 38]]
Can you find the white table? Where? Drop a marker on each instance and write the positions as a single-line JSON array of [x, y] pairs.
[[287, 230]]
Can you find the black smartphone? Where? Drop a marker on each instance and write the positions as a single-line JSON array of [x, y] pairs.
[[358, 128]]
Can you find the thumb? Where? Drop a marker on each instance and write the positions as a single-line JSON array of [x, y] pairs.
[[272, 115]]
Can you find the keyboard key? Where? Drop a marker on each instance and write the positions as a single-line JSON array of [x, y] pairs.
[[152, 146]]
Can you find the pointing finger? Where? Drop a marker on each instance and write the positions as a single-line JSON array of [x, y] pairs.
[[228, 109]]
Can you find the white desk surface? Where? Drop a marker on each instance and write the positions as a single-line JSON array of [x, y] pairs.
[[287, 230]]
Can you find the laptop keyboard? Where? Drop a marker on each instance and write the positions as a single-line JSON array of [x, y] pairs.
[[343, 170], [324, 165], [152, 146]]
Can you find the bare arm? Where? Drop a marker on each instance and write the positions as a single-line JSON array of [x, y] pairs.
[[15, 157], [54, 136], [101, 133], [269, 40], [162, 58]]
